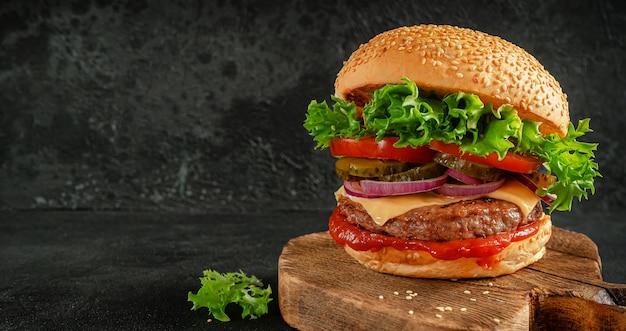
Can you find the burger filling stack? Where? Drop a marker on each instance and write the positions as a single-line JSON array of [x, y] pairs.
[[454, 147]]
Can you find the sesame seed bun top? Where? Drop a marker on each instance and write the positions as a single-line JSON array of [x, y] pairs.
[[447, 59]]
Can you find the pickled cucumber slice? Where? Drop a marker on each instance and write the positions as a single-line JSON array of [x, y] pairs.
[[476, 170], [428, 170], [350, 167]]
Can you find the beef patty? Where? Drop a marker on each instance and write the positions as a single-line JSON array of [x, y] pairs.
[[461, 220]]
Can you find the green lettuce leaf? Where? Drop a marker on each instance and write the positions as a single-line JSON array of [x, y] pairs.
[[571, 161], [462, 118], [325, 124], [219, 290]]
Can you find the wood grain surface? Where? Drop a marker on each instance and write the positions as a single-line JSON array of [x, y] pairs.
[[322, 288]]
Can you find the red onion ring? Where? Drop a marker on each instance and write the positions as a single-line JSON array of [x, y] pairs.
[[463, 178], [354, 189], [459, 190], [376, 189]]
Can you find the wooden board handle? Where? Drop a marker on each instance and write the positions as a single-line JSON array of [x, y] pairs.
[[572, 313]]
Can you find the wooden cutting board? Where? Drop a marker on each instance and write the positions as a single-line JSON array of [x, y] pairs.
[[321, 288]]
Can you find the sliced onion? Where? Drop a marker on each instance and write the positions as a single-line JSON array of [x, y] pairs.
[[354, 189], [526, 181], [375, 189], [463, 178], [459, 190]]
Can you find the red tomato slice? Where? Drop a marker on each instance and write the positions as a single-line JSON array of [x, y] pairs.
[[383, 149], [512, 162]]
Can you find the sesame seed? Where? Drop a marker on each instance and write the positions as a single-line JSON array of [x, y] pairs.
[[408, 297], [490, 284], [381, 297], [410, 312], [463, 309], [408, 291], [472, 299], [395, 293], [447, 308], [440, 308], [459, 75], [485, 292], [497, 320], [438, 316], [467, 292]]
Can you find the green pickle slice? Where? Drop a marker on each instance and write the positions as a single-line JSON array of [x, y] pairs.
[[350, 167], [428, 170], [475, 170]]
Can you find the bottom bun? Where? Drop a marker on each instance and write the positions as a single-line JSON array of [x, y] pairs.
[[420, 264]]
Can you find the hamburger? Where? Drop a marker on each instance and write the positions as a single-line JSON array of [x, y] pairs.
[[454, 148]]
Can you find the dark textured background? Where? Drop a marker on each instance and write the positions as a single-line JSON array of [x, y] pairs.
[[143, 141], [195, 106]]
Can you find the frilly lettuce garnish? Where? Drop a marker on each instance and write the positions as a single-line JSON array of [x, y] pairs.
[[219, 290]]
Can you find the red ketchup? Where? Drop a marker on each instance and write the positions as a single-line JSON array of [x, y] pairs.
[[345, 233]]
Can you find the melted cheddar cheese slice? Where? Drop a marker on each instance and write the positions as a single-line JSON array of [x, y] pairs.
[[385, 208]]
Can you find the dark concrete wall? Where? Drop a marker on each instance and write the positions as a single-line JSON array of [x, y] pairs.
[[198, 105]]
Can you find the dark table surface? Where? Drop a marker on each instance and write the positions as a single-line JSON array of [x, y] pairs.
[[108, 270]]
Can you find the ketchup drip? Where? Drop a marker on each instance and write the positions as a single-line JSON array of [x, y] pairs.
[[345, 233]]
